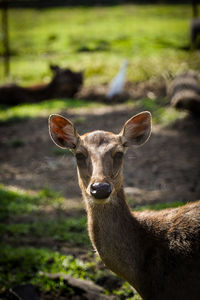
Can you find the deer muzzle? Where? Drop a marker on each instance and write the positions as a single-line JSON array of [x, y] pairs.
[[100, 190]]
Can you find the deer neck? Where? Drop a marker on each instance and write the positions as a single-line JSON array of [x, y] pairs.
[[114, 234]]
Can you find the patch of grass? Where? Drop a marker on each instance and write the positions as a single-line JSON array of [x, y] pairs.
[[162, 113], [16, 143], [80, 121], [62, 229], [159, 206], [72, 230], [61, 152], [168, 115], [136, 297], [42, 109], [126, 292], [23, 264], [93, 45], [15, 202]]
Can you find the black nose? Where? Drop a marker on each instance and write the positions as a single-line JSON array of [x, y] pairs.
[[100, 190]]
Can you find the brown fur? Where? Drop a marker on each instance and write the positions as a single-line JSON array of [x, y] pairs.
[[157, 252], [65, 83]]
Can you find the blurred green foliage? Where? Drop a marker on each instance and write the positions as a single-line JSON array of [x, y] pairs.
[[159, 206], [155, 39], [42, 109], [161, 112], [15, 202]]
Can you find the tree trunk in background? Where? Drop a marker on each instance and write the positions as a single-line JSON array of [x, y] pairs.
[[5, 38], [195, 8], [195, 27]]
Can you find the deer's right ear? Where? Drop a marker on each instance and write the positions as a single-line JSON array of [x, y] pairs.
[[62, 132], [137, 130]]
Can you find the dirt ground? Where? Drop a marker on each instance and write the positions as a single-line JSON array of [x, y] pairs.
[[166, 168]]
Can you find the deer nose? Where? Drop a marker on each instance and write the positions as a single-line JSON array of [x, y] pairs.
[[100, 190]]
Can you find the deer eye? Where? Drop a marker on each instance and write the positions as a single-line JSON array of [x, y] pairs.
[[80, 156]]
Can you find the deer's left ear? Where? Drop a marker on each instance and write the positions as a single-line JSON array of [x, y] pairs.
[[62, 132], [137, 130]]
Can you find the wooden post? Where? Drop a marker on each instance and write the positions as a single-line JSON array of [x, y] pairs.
[[195, 9], [5, 38], [195, 27]]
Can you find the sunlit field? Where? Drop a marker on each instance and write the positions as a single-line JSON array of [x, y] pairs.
[[155, 40]]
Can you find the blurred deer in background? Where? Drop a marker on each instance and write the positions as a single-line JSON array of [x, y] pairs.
[[157, 252], [65, 83]]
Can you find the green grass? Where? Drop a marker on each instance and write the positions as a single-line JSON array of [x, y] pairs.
[[29, 265], [26, 263], [159, 206], [161, 112], [63, 229], [14, 202], [42, 109], [97, 39]]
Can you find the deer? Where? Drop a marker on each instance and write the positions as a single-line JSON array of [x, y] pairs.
[[65, 83], [157, 252]]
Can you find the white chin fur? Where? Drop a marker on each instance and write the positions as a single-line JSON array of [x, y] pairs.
[[93, 200]]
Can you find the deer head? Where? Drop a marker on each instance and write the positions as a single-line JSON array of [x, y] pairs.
[[66, 82], [99, 154]]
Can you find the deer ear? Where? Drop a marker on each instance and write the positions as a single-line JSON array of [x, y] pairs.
[[137, 130], [54, 68], [62, 132]]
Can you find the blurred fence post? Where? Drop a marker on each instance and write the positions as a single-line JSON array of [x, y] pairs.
[[194, 8], [5, 37], [195, 27]]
